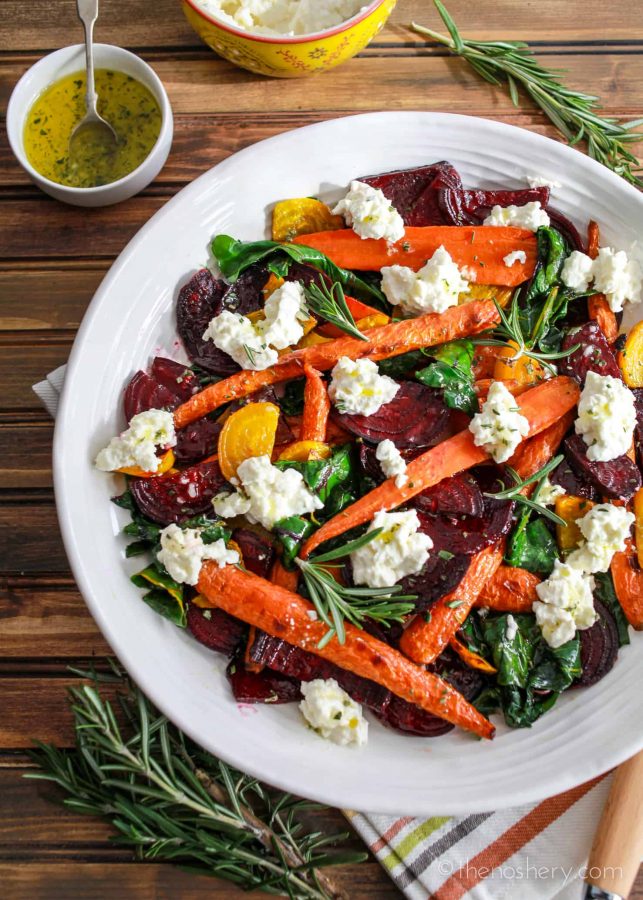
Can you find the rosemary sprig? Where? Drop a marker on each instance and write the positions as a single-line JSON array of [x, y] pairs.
[[509, 334], [573, 113], [169, 800], [330, 304], [336, 603], [538, 478]]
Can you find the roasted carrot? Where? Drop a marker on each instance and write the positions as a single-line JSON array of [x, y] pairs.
[[482, 385], [471, 658], [480, 248], [542, 405], [423, 641], [316, 407], [283, 577], [484, 361], [628, 584], [597, 305], [248, 661], [535, 452], [383, 342], [284, 614], [511, 590]]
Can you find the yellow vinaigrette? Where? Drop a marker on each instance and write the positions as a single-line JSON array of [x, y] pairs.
[[129, 107]]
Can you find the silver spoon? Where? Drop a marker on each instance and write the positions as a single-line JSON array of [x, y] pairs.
[[92, 128]]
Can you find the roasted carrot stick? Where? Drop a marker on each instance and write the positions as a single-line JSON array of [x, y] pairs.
[[511, 589], [283, 577], [388, 340], [316, 407], [542, 405], [480, 248], [284, 614], [534, 453], [628, 584], [597, 305], [424, 641], [470, 658]]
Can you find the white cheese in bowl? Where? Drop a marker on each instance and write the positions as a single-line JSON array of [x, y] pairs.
[[282, 17]]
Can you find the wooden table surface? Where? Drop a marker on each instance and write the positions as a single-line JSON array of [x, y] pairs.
[[52, 257]]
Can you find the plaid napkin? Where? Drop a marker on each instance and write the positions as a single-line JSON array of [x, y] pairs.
[[525, 853]]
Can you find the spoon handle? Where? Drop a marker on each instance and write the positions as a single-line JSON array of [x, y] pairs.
[[88, 13]]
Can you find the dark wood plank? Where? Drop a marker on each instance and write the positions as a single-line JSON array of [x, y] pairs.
[[47, 299], [25, 451], [21, 366], [30, 540]]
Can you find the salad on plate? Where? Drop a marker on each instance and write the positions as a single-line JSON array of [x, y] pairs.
[[401, 471]]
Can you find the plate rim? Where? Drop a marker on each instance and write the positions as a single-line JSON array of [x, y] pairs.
[[557, 783]]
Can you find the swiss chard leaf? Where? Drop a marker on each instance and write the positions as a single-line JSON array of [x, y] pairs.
[[292, 401], [164, 604], [604, 591], [234, 257], [292, 532], [551, 256], [397, 366], [166, 596], [531, 545], [323, 475], [452, 372]]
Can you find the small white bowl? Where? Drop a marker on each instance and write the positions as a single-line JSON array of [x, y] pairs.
[[64, 62]]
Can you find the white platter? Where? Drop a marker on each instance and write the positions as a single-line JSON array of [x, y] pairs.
[[132, 317]]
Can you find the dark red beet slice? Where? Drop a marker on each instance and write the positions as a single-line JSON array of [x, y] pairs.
[[180, 496], [414, 418], [257, 551], [260, 687], [175, 376], [198, 440], [593, 355], [598, 647], [215, 629], [144, 392], [468, 534], [438, 577], [638, 434], [414, 192], [199, 301], [457, 496], [246, 295], [572, 483], [619, 478], [471, 207]]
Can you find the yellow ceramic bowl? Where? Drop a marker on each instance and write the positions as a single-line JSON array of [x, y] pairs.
[[290, 57]]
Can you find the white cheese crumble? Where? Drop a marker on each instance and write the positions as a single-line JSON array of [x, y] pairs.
[[499, 426], [514, 257], [333, 713], [613, 273], [137, 445], [536, 181], [530, 216], [400, 550], [512, 628], [392, 462], [549, 492], [565, 604], [605, 529], [282, 17], [433, 289], [370, 213], [253, 345], [606, 417], [356, 387], [267, 494], [183, 552]]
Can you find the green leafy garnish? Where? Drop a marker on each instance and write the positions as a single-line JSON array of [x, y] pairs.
[[572, 112], [531, 546], [604, 591], [292, 531], [330, 304], [452, 372], [538, 478]]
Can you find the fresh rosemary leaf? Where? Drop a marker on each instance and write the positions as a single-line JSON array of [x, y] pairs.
[[538, 478], [330, 304], [573, 113]]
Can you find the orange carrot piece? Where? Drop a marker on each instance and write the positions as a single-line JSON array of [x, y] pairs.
[[510, 590], [471, 658], [316, 407], [424, 641], [284, 614], [482, 385], [283, 577], [542, 405], [597, 305], [534, 453], [628, 584], [480, 248], [383, 342], [484, 361]]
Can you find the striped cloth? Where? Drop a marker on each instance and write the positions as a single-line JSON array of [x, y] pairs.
[[526, 853]]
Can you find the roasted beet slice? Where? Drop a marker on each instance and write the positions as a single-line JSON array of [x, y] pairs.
[[261, 687], [199, 301], [573, 483], [638, 433], [414, 192], [175, 376], [439, 576], [215, 629], [593, 355], [618, 479], [468, 534], [198, 440], [246, 295], [180, 496], [471, 207], [257, 551], [598, 647], [414, 418], [144, 392], [457, 496]]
